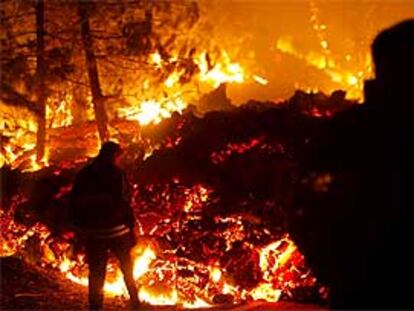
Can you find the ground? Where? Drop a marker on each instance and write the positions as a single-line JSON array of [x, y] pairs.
[[25, 287]]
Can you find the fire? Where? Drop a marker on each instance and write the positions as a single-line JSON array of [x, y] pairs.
[[155, 100], [215, 274], [209, 76], [223, 71], [155, 59], [350, 81], [58, 111], [159, 296], [152, 111], [266, 292], [260, 80], [266, 253], [20, 147], [196, 197], [142, 261], [166, 277], [181, 65]]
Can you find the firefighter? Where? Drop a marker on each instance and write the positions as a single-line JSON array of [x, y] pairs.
[[104, 220]]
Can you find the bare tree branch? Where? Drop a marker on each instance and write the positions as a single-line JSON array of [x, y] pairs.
[[12, 98]]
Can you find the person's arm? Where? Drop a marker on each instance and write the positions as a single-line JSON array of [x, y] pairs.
[[73, 196], [126, 202]]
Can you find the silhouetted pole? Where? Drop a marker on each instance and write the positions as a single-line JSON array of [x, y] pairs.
[[97, 97], [40, 80]]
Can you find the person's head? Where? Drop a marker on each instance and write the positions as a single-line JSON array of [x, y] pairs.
[[393, 55], [110, 152]]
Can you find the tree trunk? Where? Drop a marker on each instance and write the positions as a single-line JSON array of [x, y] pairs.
[[97, 98], [79, 105], [40, 78]]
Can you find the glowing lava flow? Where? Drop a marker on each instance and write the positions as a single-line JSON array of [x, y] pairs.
[[164, 269], [116, 286]]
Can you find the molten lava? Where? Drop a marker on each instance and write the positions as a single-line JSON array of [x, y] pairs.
[[164, 274]]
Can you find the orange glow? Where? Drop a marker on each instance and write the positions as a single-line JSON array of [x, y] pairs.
[[224, 71], [350, 82], [266, 292], [260, 80], [328, 53], [215, 274], [158, 295], [152, 111], [156, 270], [261, 50]]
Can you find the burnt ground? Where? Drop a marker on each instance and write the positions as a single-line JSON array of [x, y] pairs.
[[27, 287]]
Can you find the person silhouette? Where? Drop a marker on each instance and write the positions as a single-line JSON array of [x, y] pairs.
[[104, 219]]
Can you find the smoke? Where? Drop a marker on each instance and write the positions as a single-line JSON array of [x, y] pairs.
[[250, 30]]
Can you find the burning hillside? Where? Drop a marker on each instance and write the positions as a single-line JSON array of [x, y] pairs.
[[210, 169], [211, 224], [155, 59]]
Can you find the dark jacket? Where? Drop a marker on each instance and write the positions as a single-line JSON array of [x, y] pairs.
[[99, 200]]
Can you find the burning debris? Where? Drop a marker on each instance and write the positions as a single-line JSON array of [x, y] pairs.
[[212, 187], [185, 255], [209, 214]]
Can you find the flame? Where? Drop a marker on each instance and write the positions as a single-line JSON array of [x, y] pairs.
[[215, 274], [157, 99], [266, 253], [158, 296], [143, 261], [196, 196], [266, 292], [155, 59], [152, 111], [348, 80], [116, 286], [36, 165], [260, 80], [156, 270], [59, 111], [224, 71], [18, 147]]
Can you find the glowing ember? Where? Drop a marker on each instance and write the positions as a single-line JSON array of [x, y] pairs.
[[158, 295], [187, 257], [215, 274], [142, 261], [59, 112], [152, 111], [224, 71], [165, 276], [266, 292], [260, 80]]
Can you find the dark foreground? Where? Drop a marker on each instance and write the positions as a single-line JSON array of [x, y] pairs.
[[25, 287]]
